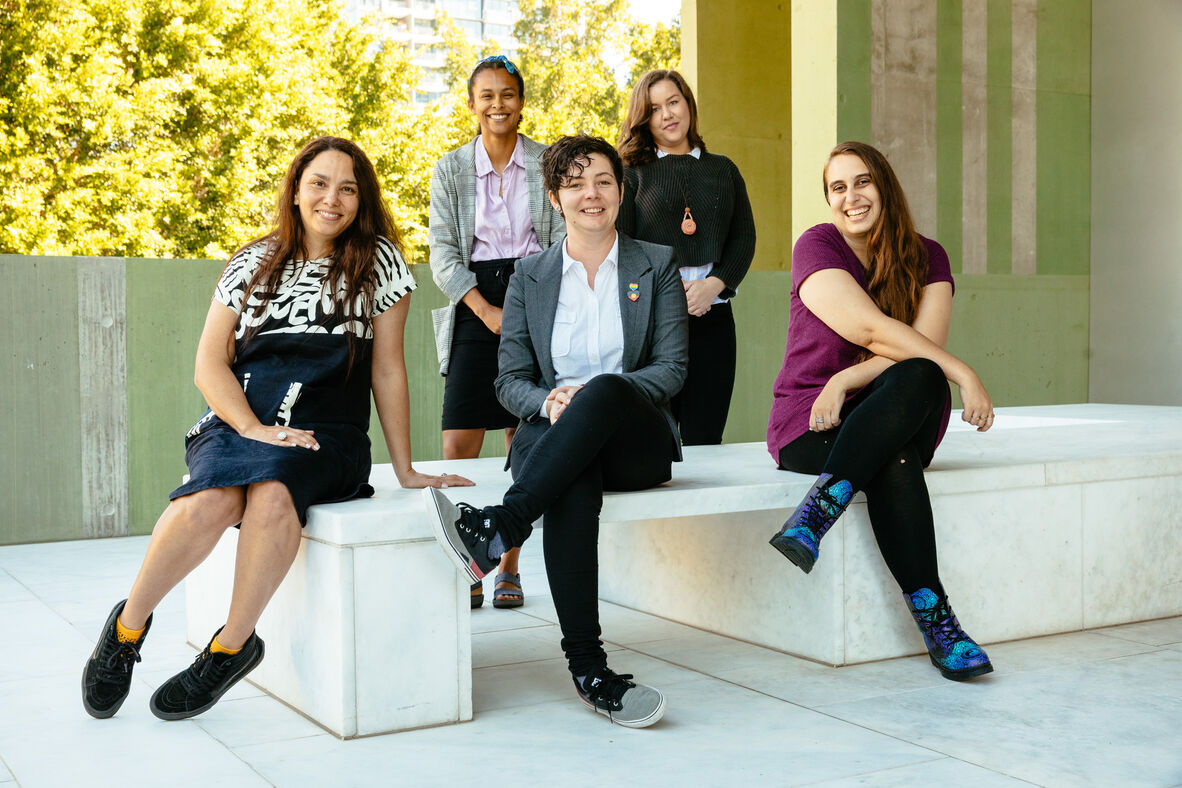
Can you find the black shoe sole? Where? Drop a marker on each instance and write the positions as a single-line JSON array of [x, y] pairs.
[[962, 675], [234, 679], [794, 552]]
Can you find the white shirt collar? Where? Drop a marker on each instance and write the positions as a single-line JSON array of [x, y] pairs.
[[696, 153], [613, 256]]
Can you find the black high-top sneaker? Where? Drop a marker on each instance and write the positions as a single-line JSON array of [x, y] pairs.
[[106, 679], [196, 688], [464, 532]]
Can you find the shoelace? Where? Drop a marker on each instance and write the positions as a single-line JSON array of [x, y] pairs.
[[472, 520], [610, 689], [945, 629], [115, 661], [204, 673], [819, 512]]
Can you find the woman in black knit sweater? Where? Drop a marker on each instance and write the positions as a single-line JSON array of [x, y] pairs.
[[677, 194]]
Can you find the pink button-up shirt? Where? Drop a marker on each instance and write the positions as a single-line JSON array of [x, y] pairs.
[[503, 225]]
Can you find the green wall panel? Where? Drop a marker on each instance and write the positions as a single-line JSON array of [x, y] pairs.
[[853, 71], [949, 130], [999, 101], [167, 301], [1027, 337], [40, 421]]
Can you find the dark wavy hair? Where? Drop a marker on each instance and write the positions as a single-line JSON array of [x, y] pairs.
[[567, 158], [351, 271], [636, 144], [898, 269]]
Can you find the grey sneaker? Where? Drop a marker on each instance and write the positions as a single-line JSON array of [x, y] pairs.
[[621, 700], [464, 532]]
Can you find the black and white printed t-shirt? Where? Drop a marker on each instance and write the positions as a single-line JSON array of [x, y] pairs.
[[295, 367]]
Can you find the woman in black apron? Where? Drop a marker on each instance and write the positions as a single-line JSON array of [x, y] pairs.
[[305, 322]]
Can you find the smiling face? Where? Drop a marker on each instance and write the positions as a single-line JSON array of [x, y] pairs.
[[327, 199], [853, 197], [496, 102], [670, 119], [589, 200]]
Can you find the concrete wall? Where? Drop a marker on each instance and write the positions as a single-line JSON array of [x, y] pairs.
[[1136, 169]]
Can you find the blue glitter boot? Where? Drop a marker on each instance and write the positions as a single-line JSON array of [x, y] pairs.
[[952, 651], [800, 537]]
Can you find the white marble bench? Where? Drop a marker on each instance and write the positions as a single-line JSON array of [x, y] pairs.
[[1061, 518]]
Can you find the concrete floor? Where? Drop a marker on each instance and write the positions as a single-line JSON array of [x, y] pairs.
[[1102, 707]]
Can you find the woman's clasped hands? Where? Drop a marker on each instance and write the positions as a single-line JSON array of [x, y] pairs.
[[558, 400]]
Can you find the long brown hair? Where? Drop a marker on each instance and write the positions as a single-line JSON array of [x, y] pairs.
[[351, 272], [898, 269], [636, 144]]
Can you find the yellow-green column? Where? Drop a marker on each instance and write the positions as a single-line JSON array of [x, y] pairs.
[[814, 107], [737, 58]]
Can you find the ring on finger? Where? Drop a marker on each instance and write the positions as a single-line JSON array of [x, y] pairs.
[[282, 435]]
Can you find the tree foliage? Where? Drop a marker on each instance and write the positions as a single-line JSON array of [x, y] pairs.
[[652, 46], [161, 128]]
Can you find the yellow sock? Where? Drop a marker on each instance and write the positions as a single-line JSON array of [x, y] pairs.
[[126, 635], [218, 648]]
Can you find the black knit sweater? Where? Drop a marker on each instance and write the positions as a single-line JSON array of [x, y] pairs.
[[654, 205]]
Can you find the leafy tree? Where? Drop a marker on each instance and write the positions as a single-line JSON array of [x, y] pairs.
[[161, 127], [562, 46], [653, 46]]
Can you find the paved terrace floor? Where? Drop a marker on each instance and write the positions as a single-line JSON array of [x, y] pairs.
[[1102, 707]]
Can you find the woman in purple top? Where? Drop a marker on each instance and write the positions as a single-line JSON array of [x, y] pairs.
[[863, 398]]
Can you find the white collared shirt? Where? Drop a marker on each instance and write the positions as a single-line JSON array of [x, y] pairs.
[[588, 336], [692, 273]]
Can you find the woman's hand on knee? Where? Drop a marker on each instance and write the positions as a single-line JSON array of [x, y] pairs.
[[282, 436], [978, 407], [826, 411], [558, 399]]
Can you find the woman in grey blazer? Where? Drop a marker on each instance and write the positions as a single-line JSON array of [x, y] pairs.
[[488, 208], [593, 346]]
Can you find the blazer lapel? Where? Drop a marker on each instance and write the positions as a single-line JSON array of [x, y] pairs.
[[636, 299], [466, 186], [542, 306]]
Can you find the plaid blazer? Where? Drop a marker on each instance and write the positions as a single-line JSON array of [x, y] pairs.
[[452, 229]]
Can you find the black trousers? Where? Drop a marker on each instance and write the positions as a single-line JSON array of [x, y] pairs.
[[702, 405], [886, 438], [609, 438]]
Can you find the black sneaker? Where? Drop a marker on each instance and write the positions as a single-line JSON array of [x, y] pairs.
[[106, 680], [621, 700], [463, 531], [196, 688]]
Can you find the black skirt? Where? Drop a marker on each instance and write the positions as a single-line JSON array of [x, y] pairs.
[[469, 399]]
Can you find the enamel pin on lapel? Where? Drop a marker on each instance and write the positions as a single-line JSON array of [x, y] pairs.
[[633, 291]]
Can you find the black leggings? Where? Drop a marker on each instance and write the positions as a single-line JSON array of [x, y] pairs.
[[886, 438], [702, 405], [610, 437]]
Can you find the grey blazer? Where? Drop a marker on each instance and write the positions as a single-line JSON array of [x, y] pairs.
[[656, 329], [452, 228]]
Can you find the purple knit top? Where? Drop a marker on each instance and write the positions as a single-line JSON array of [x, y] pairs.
[[816, 352]]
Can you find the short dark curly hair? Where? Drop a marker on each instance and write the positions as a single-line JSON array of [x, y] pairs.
[[568, 157]]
